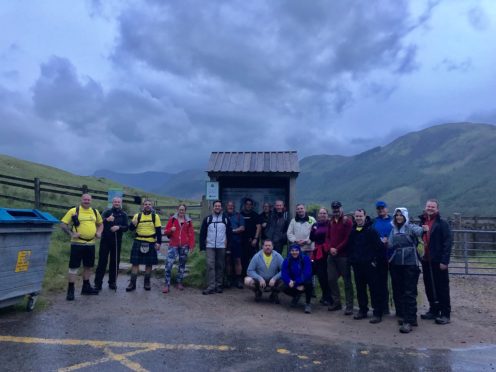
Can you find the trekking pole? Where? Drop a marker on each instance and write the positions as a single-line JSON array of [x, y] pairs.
[[116, 262], [434, 294]]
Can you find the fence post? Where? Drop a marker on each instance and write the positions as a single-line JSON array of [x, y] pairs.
[[37, 193], [465, 251], [457, 225], [204, 211]]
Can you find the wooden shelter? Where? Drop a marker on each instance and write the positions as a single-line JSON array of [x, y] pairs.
[[261, 176]]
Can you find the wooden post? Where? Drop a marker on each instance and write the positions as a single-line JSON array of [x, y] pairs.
[[204, 211], [37, 193], [457, 225]]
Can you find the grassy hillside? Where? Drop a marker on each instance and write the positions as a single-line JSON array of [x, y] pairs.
[[454, 163], [25, 169]]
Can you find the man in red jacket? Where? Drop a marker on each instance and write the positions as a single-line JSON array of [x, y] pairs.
[[337, 261]]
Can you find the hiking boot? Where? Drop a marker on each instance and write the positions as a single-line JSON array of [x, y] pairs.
[[258, 295], [166, 289], [98, 286], [219, 290], [400, 321], [324, 302], [147, 284], [442, 320], [180, 286], [113, 286], [428, 316], [308, 309], [360, 315], [413, 324], [375, 319], [406, 328], [208, 291], [70, 292], [87, 289], [334, 307], [239, 284], [132, 283], [348, 311]]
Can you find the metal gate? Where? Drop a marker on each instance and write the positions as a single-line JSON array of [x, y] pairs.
[[473, 252]]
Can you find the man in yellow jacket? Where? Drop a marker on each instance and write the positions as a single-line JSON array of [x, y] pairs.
[[83, 224]]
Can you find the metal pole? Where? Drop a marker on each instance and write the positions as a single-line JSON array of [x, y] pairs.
[[465, 251]]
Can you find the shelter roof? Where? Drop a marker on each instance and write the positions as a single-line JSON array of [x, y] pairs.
[[254, 162]]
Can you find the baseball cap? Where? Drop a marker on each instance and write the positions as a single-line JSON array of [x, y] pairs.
[[336, 204], [380, 204]]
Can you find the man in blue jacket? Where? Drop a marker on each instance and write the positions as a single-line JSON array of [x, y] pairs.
[[296, 275], [264, 272], [383, 225]]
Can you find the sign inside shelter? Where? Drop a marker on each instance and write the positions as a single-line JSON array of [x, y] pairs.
[[22, 261], [212, 192], [112, 193]]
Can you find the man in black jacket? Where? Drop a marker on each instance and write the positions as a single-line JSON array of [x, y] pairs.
[[365, 249], [437, 251], [278, 226], [115, 223]]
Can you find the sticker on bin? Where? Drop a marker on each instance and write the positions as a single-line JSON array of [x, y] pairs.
[[22, 261]]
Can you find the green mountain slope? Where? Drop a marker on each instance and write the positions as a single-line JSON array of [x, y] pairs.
[[454, 163]]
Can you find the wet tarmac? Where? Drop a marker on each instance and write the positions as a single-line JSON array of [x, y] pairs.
[[138, 335]]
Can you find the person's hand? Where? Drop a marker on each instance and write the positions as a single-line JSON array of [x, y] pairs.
[[75, 235], [443, 266], [300, 288], [425, 228], [98, 235], [262, 283], [110, 218], [157, 246], [114, 228], [254, 242], [272, 282], [173, 228], [334, 251], [135, 222], [264, 225], [291, 284]]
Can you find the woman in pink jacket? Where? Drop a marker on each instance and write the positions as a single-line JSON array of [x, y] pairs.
[[181, 234]]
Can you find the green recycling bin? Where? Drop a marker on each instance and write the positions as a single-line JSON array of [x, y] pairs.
[[24, 242]]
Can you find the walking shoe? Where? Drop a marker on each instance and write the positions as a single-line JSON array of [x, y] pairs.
[[70, 292], [294, 301], [147, 284], [208, 291], [239, 284], [324, 302], [166, 289], [348, 311], [360, 315], [258, 295], [308, 309], [375, 319], [442, 320], [405, 328], [180, 286], [334, 307], [98, 286], [428, 316], [413, 324], [400, 321], [87, 289], [219, 290], [113, 286], [274, 297]]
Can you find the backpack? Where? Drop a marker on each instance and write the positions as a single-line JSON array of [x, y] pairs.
[[224, 220], [75, 222], [139, 220]]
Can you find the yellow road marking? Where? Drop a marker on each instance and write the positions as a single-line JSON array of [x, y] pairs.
[[144, 347]]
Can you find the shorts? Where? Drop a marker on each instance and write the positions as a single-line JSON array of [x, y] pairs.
[[235, 249], [84, 253]]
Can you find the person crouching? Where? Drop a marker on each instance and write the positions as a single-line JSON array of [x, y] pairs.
[[264, 272], [296, 274]]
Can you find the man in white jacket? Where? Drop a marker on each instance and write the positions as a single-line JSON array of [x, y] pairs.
[[299, 229]]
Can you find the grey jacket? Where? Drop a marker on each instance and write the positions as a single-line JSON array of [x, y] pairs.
[[257, 269]]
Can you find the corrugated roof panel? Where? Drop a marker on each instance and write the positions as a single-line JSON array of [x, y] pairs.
[[259, 162]]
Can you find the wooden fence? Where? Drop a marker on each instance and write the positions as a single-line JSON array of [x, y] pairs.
[[40, 188]]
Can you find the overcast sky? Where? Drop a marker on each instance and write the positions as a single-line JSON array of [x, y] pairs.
[[157, 85]]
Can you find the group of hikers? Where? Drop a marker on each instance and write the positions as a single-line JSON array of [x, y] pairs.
[[245, 249]]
